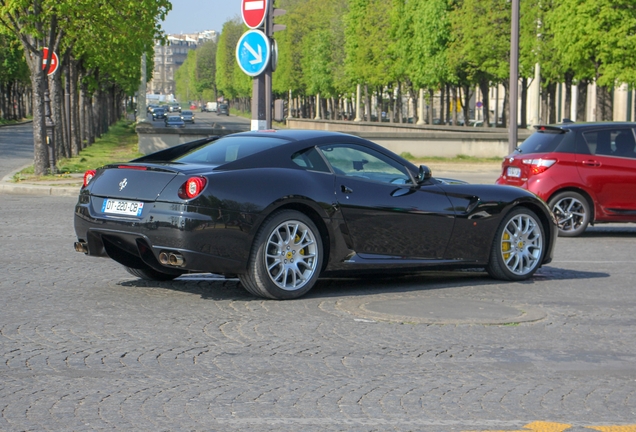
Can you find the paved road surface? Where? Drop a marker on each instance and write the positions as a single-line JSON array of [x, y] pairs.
[[85, 346]]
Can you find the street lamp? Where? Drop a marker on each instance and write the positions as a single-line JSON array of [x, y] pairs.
[[514, 77], [50, 131]]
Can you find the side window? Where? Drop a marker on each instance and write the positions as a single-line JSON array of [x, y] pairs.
[[624, 144], [356, 161], [611, 142], [310, 160]]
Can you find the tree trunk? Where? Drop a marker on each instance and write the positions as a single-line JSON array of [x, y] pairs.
[[454, 104], [581, 101], [552, 91], [605, 103], [431, 94], [524, 102], [468, 94], [567, 106], [366, 113], [55, 84], [40, 151], [485, 96], [76, 138]]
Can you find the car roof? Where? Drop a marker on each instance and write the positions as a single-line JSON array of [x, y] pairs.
[[589, 125], [294, 134]]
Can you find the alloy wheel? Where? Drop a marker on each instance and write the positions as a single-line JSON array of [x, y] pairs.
[[291, 255], [521, 244]]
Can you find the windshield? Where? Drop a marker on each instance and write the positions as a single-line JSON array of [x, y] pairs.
[[230, 149]]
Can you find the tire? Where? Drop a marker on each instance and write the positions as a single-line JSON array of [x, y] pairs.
[[572, 212], [150, 274], [519, 246], [286, 257]]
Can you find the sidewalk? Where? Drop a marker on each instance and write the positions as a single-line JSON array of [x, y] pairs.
[[69, 185]]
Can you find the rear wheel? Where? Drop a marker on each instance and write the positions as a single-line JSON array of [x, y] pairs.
[[286, 257], [572, 212], [150, 274], [519, 246]]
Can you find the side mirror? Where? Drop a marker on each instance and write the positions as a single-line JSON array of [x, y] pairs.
[[424, 174]]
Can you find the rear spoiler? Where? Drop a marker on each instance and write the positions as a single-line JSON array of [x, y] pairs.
[[170, 153], [549, 129]]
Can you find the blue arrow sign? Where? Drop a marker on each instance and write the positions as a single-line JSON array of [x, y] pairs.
[[252, 52]]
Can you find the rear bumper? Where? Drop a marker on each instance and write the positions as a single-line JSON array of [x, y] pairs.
[[209, 240]]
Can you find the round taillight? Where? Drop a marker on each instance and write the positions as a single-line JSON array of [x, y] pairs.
[[88, 176], [192, 187]]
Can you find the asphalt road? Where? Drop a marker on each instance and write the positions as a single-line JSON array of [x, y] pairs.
[[209, 119], [85, 346]]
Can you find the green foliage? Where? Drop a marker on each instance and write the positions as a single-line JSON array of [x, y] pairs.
[[230, 79], [322, 49], [120, 144], [206, 71], [367, 38], [596, 38], [12, 64], [186, 79]]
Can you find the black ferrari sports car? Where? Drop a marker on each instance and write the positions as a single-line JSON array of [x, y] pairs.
[[281, 208]]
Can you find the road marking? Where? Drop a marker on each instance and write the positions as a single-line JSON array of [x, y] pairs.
[[538, 426], [627, 428]]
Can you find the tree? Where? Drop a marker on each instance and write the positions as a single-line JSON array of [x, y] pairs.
[[83, 30], [14, 78], [480, 47], [206, 71], [230, 79]]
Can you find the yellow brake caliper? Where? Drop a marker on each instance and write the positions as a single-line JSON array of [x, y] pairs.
[[505, 246], [297, 240]]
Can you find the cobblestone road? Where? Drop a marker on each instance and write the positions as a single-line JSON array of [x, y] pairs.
[[84, 346]]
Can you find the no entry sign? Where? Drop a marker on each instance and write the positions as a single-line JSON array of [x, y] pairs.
[[254, 12], [55, 61]]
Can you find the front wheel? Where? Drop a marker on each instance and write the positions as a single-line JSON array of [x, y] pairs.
[[572, 212], [519, 246], [286, 257]]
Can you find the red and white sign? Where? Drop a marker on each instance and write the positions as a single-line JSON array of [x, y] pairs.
[[55, 61], [254, 12]]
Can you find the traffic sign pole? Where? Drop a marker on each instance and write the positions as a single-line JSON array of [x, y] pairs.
[[268, 71], [254, 56]]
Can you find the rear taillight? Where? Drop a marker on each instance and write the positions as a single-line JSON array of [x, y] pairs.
[[537, 166], [192, 187], [88, 176]]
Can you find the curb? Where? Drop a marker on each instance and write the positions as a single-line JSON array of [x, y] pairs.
[[16, 124], [9, 187]]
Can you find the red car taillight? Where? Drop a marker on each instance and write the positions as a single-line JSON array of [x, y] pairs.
[[537, 166], [88, 176], [192, 187]]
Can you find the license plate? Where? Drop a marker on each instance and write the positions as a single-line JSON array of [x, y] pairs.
[[130, 208], [513, 172]]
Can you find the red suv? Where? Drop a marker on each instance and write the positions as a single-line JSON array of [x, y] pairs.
[[586, 172]]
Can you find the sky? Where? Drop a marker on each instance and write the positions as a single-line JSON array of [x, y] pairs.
[[192, 16]]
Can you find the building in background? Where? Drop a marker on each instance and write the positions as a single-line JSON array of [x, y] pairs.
[[169, 57]]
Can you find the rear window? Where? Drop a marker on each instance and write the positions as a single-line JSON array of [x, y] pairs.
[[541, 142], [230, 149]]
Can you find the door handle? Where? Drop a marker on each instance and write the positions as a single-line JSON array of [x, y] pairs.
[[591, 163], [346, 189]]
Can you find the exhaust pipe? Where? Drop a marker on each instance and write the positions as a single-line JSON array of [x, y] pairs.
[[81, 246], [176, 259], [171, 259]]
